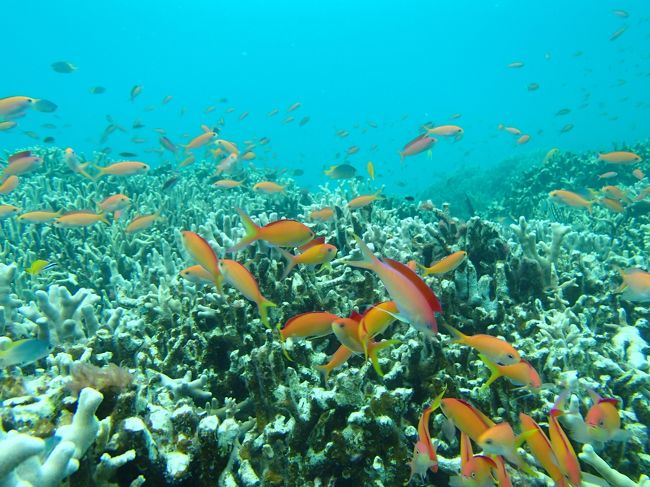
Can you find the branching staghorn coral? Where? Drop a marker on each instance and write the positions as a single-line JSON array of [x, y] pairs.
[[529, 244]]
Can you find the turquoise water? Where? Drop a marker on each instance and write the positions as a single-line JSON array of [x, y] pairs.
[[398, 64]]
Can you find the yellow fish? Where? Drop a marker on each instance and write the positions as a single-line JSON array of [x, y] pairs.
[[371, 170], [39, 266]]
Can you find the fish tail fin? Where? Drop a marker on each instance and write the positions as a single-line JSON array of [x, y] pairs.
[[252, 232], [264, 312], [437, 401], [218, 282], [493, 369], [82, 171], [101, 172], [369, 260], [459, 337], [103, 219], [291, 263], [283, 340], [325, 370], [374, 348]]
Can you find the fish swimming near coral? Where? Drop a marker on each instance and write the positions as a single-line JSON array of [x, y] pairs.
[[635, 286], [240, 278], [446, 264], [39, 266], [415, 301], [280, 233], [23, 352]]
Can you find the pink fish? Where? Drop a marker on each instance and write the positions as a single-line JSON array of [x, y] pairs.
[[420, 144], [416, 303]]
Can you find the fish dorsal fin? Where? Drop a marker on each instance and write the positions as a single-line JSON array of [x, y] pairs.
[[312, 243], [356, 316], [19, 155], [277, 222], [205, 128], [421, 286]]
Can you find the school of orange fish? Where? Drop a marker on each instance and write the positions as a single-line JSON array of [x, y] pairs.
[[411, 299]]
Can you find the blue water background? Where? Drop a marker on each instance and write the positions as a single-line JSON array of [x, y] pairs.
[[398, 64]]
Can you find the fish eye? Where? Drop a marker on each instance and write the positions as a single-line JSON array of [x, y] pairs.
[[601, 422], [511, 355], [473, 475], [488, 442]]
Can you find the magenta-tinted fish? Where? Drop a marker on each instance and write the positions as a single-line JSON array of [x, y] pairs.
[[420, 144]]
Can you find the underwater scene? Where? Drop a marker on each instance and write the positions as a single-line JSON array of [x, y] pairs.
[[325, 244]]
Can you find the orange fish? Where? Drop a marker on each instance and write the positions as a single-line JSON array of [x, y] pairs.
[[466, 417], [308, 325], [446, 264], [500, 439], [540, 447], [125, 168], [321, 254], [229, 147], [570, 199], [523, 139], [80, 219], [15, 106], [510, 130], [643, 194], [114, 203], [42, 216], [142, 222], [497, 350], [201, 252], [339, 357], [376, 319], [365, 200], [197, 274], [9, 184], [446, 131], [188, 160], [6, 125], [620, 157], [346, 330], [7, 211], [612, 204], [567, 461], [240, 278], [615, 193], [200, 140], [280, 233], [602, 422], [635, 286], [228, 183], [475, 470], [268, 187], [75, 165], [322, 215], [20, 163], [608, 175], [521, 373], [424, 452], [639, 174]]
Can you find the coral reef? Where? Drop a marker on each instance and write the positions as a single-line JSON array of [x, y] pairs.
[[197, 391]]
